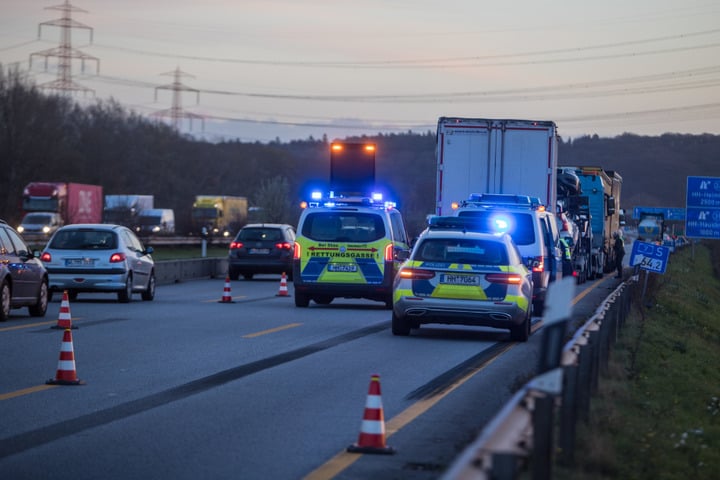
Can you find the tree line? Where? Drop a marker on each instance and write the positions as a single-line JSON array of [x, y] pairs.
[[48, 137]]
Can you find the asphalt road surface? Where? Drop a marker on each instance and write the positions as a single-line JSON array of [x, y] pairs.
[[187, 387]]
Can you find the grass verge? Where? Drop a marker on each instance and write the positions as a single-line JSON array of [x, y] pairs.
[[657, 412]]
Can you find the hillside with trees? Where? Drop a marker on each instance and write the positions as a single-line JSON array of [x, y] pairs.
[[49, 138]]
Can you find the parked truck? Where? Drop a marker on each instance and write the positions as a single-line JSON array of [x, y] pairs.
[[74, 202], [218, 215], [125, 209], [476, 155], [651, 227], [155, 221], [602, 188]]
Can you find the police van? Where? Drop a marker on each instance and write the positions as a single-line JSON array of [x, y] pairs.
[[348, 247], [533, 229]]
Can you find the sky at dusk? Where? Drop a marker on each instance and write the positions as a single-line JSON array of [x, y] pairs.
[[263, 70]]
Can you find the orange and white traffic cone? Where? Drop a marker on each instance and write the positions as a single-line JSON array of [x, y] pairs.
[[64, 317], [66, 373], [226, 296], [372, 429], [283, 292]]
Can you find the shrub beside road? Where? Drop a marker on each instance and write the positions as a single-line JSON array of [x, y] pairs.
[[657, 412]]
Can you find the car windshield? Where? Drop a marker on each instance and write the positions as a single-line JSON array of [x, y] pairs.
[[344, 227], [518, 225], [259, 235], [36, 219], [471, 251], [84, 239]]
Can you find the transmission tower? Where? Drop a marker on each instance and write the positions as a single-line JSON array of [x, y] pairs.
[[176, 112], [64, 52]]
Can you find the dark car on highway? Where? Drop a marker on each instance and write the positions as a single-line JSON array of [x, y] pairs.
[[261, 248], [23, 279]]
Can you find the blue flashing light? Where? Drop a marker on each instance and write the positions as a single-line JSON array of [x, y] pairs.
[[377, 196], [316, 195], [501, 223]]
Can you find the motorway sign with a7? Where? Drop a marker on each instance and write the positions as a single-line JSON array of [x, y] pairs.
[[703, 207], [649, 256]]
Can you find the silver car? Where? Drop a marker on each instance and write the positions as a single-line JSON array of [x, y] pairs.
[[99, 258]]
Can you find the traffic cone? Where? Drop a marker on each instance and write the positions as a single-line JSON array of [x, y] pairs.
[[283, 292], [372, 429], [64, 317], [226, 297], [66, 374]]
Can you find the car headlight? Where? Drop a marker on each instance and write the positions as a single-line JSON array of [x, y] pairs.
[[20, 229]]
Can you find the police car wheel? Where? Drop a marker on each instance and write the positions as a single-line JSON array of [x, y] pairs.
[[521, 333], [301, 300], [323, 300], [400, 326]]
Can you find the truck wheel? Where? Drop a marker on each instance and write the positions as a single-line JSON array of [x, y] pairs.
[[40, 307], [149, 293], [538, 308], [5, 297], [125, 294], [400, 326]]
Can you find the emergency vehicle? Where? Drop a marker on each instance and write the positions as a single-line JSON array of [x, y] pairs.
[[348, 247]]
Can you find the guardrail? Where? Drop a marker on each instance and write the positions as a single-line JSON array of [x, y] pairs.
[[522, 435], [174, 271]]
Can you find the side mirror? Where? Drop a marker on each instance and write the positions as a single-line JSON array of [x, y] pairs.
[[401, 254]]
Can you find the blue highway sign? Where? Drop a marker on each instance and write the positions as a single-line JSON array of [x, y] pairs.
[[668, 213], [649, 256], [702, 203]]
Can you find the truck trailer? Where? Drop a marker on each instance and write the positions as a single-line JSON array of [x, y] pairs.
[[74, 202], [477, 155], [125, 209]]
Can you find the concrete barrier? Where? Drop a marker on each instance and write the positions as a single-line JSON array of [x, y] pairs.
[[175, 271]]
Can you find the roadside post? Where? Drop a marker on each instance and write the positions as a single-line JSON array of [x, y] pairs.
[[548, 384], [203, 244]]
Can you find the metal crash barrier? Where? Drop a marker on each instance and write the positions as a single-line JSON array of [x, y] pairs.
[[521, 437]]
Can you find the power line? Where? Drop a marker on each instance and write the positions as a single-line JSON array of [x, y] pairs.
[[451, 62]]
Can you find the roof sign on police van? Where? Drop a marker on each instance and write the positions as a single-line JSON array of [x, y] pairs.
[[649, 256]]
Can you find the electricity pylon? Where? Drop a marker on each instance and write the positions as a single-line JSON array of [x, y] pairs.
[[176, 112]]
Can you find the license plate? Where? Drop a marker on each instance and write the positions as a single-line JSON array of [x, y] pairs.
[[259, 251], [79, 262], [342, 267], [452, 279]]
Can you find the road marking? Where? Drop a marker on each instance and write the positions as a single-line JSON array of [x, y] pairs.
[[25, 391], [344, 459], [272, 330], [30, 325]]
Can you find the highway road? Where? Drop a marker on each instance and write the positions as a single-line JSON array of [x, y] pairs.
[[187, 387]]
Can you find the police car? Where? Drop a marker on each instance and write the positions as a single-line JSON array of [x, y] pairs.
[[458, 275], [533, 229], [347, 247]]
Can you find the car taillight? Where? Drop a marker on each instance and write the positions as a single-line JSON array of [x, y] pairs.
[[416, 274], [283, 246], [117, 257], [46, 257], [389, 252], [506, 278], [297, 251], [235, 245], [537, 264]]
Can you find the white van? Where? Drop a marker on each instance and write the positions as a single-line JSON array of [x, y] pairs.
[[156, 221]]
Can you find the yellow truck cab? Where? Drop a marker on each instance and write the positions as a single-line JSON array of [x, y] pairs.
[[348, 247]]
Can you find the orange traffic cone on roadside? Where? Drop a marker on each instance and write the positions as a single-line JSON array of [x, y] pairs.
[[66, 373], [64, 317], [283, 292], [226, 296], [372, 429]]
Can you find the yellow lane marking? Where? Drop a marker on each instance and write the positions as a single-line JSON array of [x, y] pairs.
[[586, 291], [25, 391], [30, 325], [344, 459], [272, 330]]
